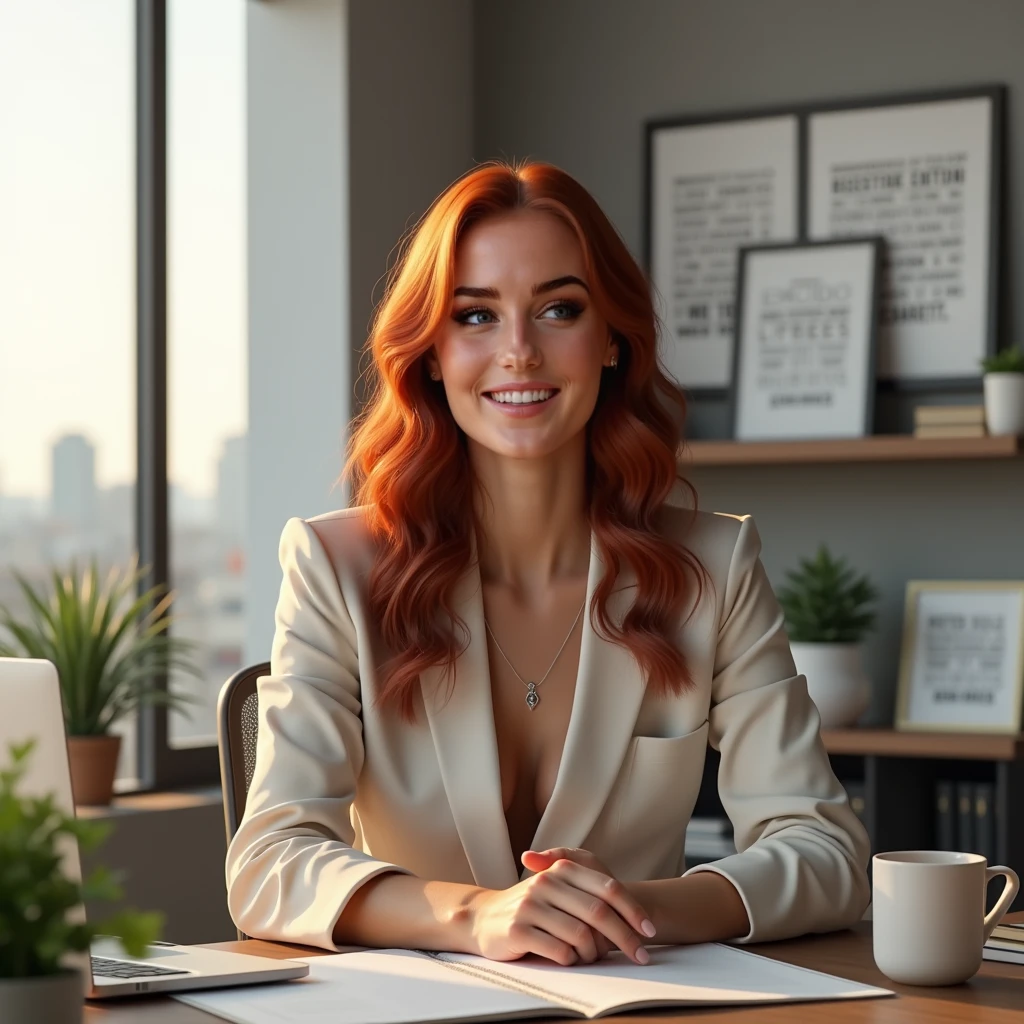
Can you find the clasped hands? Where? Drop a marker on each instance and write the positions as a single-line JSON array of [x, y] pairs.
[[572, 910]]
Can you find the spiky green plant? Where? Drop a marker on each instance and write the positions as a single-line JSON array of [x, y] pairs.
[[36, 930], [107, 644], [1008, 360], [826, 601]]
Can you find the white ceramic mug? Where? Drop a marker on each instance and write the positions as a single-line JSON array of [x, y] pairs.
[[928, 914]]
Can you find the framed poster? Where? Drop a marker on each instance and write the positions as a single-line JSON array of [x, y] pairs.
[[962, 656], [924, 172], [806, 326], [713, 185]]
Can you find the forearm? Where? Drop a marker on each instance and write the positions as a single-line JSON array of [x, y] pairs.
[[703, 907], [395, 910]]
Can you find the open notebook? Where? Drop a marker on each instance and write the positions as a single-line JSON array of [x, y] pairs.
[[401, 986]]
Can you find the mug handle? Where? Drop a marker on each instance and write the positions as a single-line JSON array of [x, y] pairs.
[[995, 915]]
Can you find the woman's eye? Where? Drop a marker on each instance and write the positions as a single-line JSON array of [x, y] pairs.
[[564, 311], [469, 316]]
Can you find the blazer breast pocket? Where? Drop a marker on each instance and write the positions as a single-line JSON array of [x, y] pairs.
[[661, 787]]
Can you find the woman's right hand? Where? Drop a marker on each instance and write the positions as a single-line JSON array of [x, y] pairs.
[[568, 913]]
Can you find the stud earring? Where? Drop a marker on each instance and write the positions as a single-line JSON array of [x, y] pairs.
[[434, 375], [614, 362]]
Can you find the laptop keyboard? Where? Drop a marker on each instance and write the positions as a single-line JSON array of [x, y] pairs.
[[105, 968]]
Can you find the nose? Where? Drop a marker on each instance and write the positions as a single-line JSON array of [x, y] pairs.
[[519, 343]]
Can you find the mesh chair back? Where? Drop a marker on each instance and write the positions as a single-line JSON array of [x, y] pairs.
[[237, 727]]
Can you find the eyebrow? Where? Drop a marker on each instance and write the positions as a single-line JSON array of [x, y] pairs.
[[544, 286]]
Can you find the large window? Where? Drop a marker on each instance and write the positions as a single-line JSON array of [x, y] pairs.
[[122, 323], [206, 344], [67, 316]]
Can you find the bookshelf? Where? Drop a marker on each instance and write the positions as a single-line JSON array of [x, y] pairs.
[[899, 777], [877, 448]]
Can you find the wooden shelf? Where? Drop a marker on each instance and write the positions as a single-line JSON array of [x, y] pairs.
[[878, 448], [955, 745]]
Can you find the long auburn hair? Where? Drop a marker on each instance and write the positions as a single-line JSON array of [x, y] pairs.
[[409, 464]]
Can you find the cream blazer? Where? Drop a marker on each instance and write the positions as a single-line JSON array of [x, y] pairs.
[[341, 792]]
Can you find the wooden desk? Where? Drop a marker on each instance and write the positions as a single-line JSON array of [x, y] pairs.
[[994, 996]]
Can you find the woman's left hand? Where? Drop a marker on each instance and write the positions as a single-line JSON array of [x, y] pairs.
[[541, 860]]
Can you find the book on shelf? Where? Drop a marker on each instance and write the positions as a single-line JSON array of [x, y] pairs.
[[942, 415], [965, 817], [951, 430], [995, 951], [1009, 933], [708, 826]]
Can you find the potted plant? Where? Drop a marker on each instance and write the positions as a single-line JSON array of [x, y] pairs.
[[40, 924], [1003, 382], [108, 645], [828, 612]]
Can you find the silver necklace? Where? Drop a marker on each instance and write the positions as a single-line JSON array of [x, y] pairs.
[[532, 697]]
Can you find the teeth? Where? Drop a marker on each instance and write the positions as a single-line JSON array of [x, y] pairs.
[[521, 397]]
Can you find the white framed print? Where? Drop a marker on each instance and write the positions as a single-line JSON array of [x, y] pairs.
[[962, 656], [925, 173], [713, 185], [806, 324]]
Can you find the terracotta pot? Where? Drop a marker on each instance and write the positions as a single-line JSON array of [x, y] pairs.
[[93, 766], [53, 998]]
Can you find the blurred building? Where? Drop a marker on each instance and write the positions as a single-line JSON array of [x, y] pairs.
[[73, 482]]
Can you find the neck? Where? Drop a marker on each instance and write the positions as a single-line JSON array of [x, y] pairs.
[[533, 531]]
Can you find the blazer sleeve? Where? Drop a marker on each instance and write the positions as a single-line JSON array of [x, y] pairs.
[[291, 866], [801, 860]]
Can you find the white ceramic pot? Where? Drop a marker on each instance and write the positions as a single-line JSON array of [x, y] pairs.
[[1004, 403], [53, 999], [836, 681]]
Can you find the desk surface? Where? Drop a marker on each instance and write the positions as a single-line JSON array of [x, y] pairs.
[[994, 996]]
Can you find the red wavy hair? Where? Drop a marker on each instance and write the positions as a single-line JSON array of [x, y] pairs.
[[409, 464]]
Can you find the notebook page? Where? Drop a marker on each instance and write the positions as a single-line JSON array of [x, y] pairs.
[[390, 986], [709, 975]]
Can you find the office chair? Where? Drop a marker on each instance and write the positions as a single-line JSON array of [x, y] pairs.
[[237, 725]]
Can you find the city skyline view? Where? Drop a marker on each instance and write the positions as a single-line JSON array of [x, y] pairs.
[[67, 251]]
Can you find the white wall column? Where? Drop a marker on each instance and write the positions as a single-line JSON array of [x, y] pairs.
[[299, 365]]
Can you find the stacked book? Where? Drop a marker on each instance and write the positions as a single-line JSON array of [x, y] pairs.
[[949, 421], [1006, 944], [708, 839]]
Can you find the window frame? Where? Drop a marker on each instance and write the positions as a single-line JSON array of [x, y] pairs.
[[159, 765]]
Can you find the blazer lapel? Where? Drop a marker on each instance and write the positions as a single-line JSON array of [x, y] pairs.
[[466, 744], [609, 691]]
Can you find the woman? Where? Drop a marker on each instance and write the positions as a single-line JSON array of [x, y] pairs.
[[494, 679]]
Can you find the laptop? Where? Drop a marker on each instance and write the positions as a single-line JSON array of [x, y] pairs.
[[30, 708]]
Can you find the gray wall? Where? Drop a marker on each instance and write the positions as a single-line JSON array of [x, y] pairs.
[[572, 82]]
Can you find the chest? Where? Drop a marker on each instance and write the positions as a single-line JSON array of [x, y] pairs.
[[532, 642]]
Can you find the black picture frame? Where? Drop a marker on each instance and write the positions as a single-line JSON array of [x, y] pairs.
[[651, 129], [803, 112], [876, 245]]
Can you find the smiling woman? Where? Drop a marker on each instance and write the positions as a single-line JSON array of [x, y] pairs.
[[512, 474]]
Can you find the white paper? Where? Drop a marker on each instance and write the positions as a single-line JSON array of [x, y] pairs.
[[715, 187], [919, 175], [806, 343], [404, 987]]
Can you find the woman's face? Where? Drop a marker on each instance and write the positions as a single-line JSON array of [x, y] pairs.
[[521, 314]]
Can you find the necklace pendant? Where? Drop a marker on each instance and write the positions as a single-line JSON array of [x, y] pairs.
[[532, 697]]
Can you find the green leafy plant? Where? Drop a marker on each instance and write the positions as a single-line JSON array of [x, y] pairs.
[[35, 893], [825, 601], [1007, 360], [107, 644]]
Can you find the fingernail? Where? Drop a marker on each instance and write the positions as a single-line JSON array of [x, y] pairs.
[[647, 928], [642, 955]]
